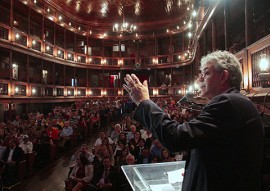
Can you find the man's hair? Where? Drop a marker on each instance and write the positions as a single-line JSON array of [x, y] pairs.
[[130, 156], [224, 60]]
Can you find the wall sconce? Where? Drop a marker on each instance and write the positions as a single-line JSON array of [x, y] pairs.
[[34, 91], [120, 62], [104, 93], [17, 36], [264, 76], [119, 92], [155, 92]]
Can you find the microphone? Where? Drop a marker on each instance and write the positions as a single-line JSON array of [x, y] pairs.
[[187, 97]]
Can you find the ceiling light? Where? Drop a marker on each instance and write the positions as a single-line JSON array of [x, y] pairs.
[[194, 13], [124, 27]]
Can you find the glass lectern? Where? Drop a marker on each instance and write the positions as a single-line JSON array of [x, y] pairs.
[[167, 176]]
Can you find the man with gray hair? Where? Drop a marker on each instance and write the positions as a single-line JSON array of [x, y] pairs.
[[225, 139]]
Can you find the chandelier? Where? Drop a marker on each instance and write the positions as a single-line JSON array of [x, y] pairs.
[[124, 27]]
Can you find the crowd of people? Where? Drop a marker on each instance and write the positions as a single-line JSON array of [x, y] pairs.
[[35, 139]]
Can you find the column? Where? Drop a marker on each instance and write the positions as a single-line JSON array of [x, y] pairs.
[[226, 25], [214, 35], [248, 22]]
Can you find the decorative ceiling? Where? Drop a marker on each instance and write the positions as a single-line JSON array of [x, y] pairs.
[[147, 15]]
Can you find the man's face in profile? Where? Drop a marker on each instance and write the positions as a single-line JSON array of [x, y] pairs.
[[209, 81]]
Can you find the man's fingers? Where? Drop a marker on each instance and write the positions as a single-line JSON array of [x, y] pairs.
[[128, 89], [135, 79], [145, 83], [129, 80]]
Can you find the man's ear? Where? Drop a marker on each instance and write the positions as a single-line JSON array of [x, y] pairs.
[[224, 76]]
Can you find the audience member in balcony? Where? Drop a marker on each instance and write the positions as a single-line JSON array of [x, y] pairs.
[[65, 134], [26, 145], [227, 132], [82, 173]]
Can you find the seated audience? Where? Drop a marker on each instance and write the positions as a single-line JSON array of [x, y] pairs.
[[82, 174], [123, 184], [105, 178], [145, 157], [44, 143], [165, 156], [121, 158], [12, 156], [102, 135], [26, 145], [65, 134]]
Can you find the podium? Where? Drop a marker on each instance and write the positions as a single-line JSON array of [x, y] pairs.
[[167, 176]]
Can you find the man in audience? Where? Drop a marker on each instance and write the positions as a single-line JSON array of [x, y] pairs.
[[102, 135], [66, 133], [105, 178], [145, 157], [131, 133], [26, 145], [123, 182], [156, 149], [12, 156]]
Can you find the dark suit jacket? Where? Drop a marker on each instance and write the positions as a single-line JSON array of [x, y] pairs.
[[112, 176], [226, 142], [17, 154]]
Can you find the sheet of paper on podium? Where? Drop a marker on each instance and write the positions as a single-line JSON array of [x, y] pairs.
[[162, 187], [175, 176]]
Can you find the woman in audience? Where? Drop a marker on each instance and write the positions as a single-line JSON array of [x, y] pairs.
[[165, 157], [121, 158], [105, 142], [81, 174], [133, 142]]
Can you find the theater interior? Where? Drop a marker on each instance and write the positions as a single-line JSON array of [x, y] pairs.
[[61, 53]]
